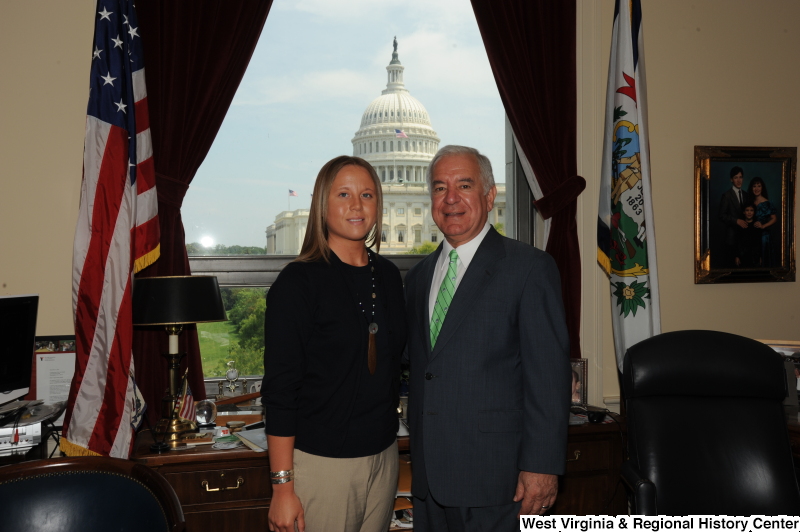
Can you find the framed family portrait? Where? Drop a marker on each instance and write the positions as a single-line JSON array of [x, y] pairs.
[[744, 214], [579, 372]]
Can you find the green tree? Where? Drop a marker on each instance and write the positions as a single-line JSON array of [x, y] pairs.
[[500, 228], [426, 248], [194, 249], [247, 315], [221, 249], [249, 359]]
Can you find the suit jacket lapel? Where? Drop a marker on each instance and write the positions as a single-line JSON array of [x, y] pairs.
[[481, 269], [423, 296]]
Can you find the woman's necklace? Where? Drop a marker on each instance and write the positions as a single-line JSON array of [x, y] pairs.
[[372, 327]]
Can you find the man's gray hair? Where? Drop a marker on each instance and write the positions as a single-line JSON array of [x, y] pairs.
[[484, 165]]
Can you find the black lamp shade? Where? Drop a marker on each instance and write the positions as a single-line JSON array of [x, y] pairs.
[[177, 300]]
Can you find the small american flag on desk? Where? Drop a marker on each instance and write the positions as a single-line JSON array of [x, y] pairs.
[[185, 405]]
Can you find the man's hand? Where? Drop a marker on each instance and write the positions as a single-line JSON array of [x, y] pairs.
[[741, 223], [537, 491]]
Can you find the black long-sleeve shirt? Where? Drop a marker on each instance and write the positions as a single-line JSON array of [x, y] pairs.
[[317, 386]]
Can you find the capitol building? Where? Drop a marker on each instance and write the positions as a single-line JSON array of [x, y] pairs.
[[397, 138]]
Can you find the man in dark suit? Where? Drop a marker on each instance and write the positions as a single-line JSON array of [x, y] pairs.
[[490, 375], [730, 214]]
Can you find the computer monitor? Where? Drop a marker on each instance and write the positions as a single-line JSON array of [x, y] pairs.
[[17, 342]]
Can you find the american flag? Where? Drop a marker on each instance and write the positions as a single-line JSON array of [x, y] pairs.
[[292, 192], [398, 133], [185, 406], [117, 234]]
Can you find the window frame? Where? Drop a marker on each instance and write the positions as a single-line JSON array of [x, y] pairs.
[[257, 271]]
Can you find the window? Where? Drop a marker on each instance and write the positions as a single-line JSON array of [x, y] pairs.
[[262, 98], [434, 237], [401, 211], [385, 210], [417, 211], [417, 236], [383, 237]]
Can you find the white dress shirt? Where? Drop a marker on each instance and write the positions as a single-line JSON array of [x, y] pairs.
[[465, 254]]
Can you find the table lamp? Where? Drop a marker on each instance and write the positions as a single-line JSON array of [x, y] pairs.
[[174, 302]]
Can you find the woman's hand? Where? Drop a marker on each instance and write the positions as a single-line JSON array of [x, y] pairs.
[[285, 509]]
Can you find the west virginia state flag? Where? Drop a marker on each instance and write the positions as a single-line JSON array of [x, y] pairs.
[[625, 232]]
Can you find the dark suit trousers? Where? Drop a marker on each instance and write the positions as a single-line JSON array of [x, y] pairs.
[[430, 516]]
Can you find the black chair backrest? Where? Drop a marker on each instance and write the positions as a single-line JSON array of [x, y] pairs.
[[87, 493], [706, 424]]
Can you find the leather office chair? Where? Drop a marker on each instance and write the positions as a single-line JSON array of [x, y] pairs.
[[707, 431], [87, 493]]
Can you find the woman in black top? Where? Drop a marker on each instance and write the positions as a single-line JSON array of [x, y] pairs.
[[334, 334]]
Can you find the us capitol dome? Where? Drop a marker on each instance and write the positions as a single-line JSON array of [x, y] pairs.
[[397, 138]]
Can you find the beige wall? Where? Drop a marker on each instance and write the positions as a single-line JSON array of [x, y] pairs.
[[720, 72], [45, 53]]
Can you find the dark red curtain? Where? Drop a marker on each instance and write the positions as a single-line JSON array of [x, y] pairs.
[[531, 47], [196, 54]]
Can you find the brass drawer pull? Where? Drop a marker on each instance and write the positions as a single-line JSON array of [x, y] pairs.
[[577, 456], [239, 482]]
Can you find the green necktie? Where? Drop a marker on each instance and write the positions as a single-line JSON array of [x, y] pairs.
[[445, 296]]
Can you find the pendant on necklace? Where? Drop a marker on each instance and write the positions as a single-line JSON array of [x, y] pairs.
[[373, 328]]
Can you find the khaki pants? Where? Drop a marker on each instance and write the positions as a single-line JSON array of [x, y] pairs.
[[347, 494]]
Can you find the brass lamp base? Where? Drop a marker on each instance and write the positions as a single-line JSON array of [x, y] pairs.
[[170, 427], [171, 430]]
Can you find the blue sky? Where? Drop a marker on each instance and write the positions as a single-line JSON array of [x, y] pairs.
[[317, 66]]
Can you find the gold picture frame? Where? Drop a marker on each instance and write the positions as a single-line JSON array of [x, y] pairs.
[[726, 251]]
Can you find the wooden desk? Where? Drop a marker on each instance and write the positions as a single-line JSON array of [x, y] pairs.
[[592, 484], [236, 492]]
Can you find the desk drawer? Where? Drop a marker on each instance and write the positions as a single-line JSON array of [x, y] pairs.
[[221, 485], [588, 456]]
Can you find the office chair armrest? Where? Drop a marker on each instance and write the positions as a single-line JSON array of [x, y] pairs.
[[643, 492]]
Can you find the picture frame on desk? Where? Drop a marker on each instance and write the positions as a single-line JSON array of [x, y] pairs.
[[729, 247], [579, 386]]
